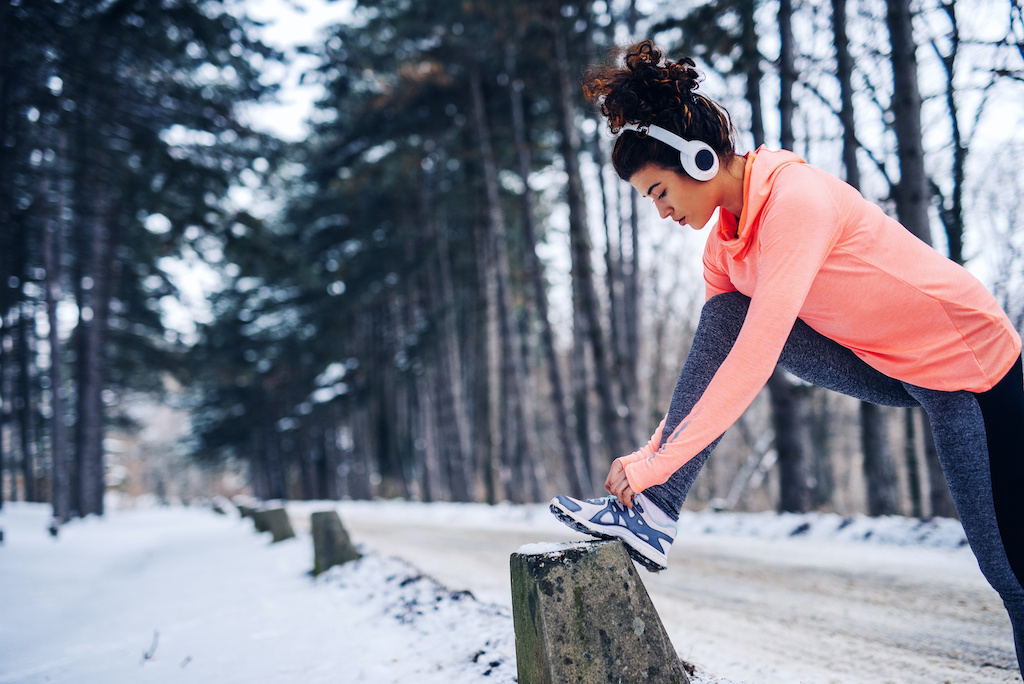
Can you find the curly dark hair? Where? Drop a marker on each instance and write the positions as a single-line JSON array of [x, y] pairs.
[[650, 89]]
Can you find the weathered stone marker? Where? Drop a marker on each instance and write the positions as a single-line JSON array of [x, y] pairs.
[[331, 543], [581, 614], [275, 521]]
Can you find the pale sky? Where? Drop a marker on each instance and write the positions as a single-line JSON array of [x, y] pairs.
[[291, 23]]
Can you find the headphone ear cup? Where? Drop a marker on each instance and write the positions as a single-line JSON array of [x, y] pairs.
[[699, 160], [696, 156]]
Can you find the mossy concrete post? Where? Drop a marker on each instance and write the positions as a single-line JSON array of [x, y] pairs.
[[331, 543], [275, 521], [581, 614]]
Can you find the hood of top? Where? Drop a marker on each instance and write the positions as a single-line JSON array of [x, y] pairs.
[[759, 176]]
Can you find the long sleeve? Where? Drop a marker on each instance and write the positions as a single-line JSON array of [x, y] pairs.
[[796, 232], [649, 449]]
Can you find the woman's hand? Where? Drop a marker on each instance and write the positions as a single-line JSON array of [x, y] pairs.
[[618, 485]]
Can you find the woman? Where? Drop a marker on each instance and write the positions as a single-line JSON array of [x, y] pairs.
[[803, 272]]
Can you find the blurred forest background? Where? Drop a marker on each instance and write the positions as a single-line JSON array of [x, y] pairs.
[[441, 291]]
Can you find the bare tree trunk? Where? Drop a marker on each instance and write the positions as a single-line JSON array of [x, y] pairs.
[[331, 425], [277, 482], [317, 446], [305, 440], [359, 470], [576, 468], [821, 429], [527, 468], [25, 405], [427, 454], [789, 420], [623, 365], [751, 57], [440, 301], [879, 465], [23, 391], [480, 369], [879, 470], [5, 340], [257, 470], [52, 249], [498, 478], [580, 393], [440, 295], [631, 268], [910, 458], [787, 74], [93, 319], [951, 209], [617, 273], [911, 193], [585, 297], [452, 375], [844, 72], [394, 416], [7, 117]]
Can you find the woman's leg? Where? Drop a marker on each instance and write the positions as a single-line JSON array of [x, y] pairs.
[[807, 354], [1002, 407], [720, 323], [963, 432]]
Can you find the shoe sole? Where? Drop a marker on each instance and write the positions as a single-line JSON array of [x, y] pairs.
[[650, 565]]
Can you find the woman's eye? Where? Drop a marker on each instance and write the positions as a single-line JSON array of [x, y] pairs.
[[662, 194]]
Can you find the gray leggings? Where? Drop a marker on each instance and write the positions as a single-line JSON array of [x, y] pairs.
[[959, 421]]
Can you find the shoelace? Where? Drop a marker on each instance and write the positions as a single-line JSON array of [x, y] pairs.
[[630, 518]]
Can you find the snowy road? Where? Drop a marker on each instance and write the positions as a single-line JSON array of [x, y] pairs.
[[742, 600], [764, 611]]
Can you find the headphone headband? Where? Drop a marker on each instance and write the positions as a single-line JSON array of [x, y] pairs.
[[696, 156]]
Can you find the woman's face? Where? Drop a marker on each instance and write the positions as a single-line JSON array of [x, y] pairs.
[[677, 196]]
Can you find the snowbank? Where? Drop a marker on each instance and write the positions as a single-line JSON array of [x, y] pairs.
[[178, 594]]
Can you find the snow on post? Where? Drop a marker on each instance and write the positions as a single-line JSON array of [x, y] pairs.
[[331, 543], [581, 614]]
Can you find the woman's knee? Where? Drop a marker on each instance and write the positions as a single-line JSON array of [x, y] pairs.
[[721, 320]]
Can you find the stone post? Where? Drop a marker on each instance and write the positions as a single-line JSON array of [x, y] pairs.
[[331, 543], [582, 615], [275, 521]]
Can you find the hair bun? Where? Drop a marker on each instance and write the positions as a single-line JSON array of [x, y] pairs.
[[643, 91]]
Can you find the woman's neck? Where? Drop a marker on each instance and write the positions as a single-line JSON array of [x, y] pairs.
[[732, 192]]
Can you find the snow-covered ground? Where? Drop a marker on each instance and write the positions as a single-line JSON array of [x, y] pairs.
[[173, 594]]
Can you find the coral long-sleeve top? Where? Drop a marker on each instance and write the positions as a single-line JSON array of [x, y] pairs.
[[809, 245]]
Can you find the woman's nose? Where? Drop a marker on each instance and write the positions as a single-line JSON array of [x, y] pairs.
[[664, 210]]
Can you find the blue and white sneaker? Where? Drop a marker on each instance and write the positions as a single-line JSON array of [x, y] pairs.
[[647, 540]]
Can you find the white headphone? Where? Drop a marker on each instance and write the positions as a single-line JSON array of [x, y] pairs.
[[696, 156]]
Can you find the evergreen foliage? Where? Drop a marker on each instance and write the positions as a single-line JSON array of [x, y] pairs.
[[120, 141], [382, 324]]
